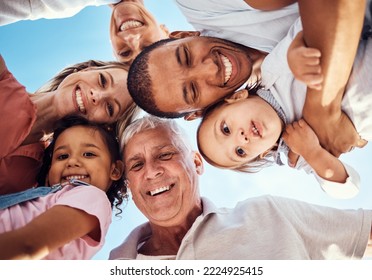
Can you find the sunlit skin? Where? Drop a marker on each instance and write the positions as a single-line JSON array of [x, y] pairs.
[[152, 161], [191, 73], [81, 153], [140, 30], [238, 132], [103, 92]]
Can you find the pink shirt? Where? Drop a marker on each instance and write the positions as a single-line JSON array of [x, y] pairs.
[[19, 164], [86, 198]]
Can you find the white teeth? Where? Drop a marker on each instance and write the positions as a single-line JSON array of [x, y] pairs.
[[130, 24], [159, 190], [79, 101], [228, 67], [255, 130], [77, 177]]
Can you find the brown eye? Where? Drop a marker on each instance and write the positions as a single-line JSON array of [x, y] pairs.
[[225, 129], [240, 152]]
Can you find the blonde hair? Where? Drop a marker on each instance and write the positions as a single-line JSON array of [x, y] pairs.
[[54, 82], [129, 114]]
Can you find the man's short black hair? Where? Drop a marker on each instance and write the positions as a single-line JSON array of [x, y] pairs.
[[140, 83]]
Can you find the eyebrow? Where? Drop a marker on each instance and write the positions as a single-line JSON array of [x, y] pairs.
[[185, 94], [178, 56], [157, 148], [85, 145]]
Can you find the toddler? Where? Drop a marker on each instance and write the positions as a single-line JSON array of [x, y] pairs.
[[69, 219]]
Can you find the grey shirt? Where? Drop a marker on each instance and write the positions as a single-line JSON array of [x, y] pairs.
[[266, 227], [16, 10]]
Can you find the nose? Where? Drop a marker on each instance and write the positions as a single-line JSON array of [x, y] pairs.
[[96, 96], [73, 162], [243, 137], [207, 70], [153, 171], [132, 41]]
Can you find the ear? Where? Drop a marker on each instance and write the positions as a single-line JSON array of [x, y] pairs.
[[165, 29], [117, 170], [236, 96], [183, 34], [264, 154], [198, 161], [194, 115]]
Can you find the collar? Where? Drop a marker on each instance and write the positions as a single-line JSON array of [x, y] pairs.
[[269, 98]]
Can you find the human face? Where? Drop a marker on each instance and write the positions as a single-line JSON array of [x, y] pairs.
[[238, 132], [162, 177], [81, 153], [98, 94], [191, 73], [132, 29]]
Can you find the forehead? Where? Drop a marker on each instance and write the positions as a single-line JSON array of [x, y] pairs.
[[148, 140], [168, 78], [80, 134]]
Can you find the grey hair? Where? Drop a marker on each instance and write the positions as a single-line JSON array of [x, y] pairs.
[[148, 122]]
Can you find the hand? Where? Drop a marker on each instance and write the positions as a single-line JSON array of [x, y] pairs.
[[300, 138], [336, 133], [304, 63]]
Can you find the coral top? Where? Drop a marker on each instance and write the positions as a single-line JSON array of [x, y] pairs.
[[19, 164]]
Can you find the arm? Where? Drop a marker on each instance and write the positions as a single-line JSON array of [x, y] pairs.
[[333, 27], [302, 140], [47, 232]]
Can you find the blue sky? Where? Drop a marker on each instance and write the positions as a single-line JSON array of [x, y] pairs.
[[35, 50]]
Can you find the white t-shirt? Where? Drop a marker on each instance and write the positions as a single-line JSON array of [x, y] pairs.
[[16, 10], [86, 198], [236, 21], [291, 94], [267, 227]]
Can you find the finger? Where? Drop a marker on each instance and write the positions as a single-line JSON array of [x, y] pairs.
[[312, 79], [292, 158], [316, 87], [289, 128], [312, 69], [312, 61], [361, 143], [312, 52], [302, 123], [296, 125]]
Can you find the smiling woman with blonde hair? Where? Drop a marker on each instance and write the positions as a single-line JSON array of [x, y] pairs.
[[96, 90]]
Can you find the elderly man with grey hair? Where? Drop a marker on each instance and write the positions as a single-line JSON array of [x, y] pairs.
[[162, 173]]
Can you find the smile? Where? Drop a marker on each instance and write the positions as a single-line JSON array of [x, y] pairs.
[[79, 101], [76, 177], [160, 190], [129, 24], [255, 130], [228, 68]]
